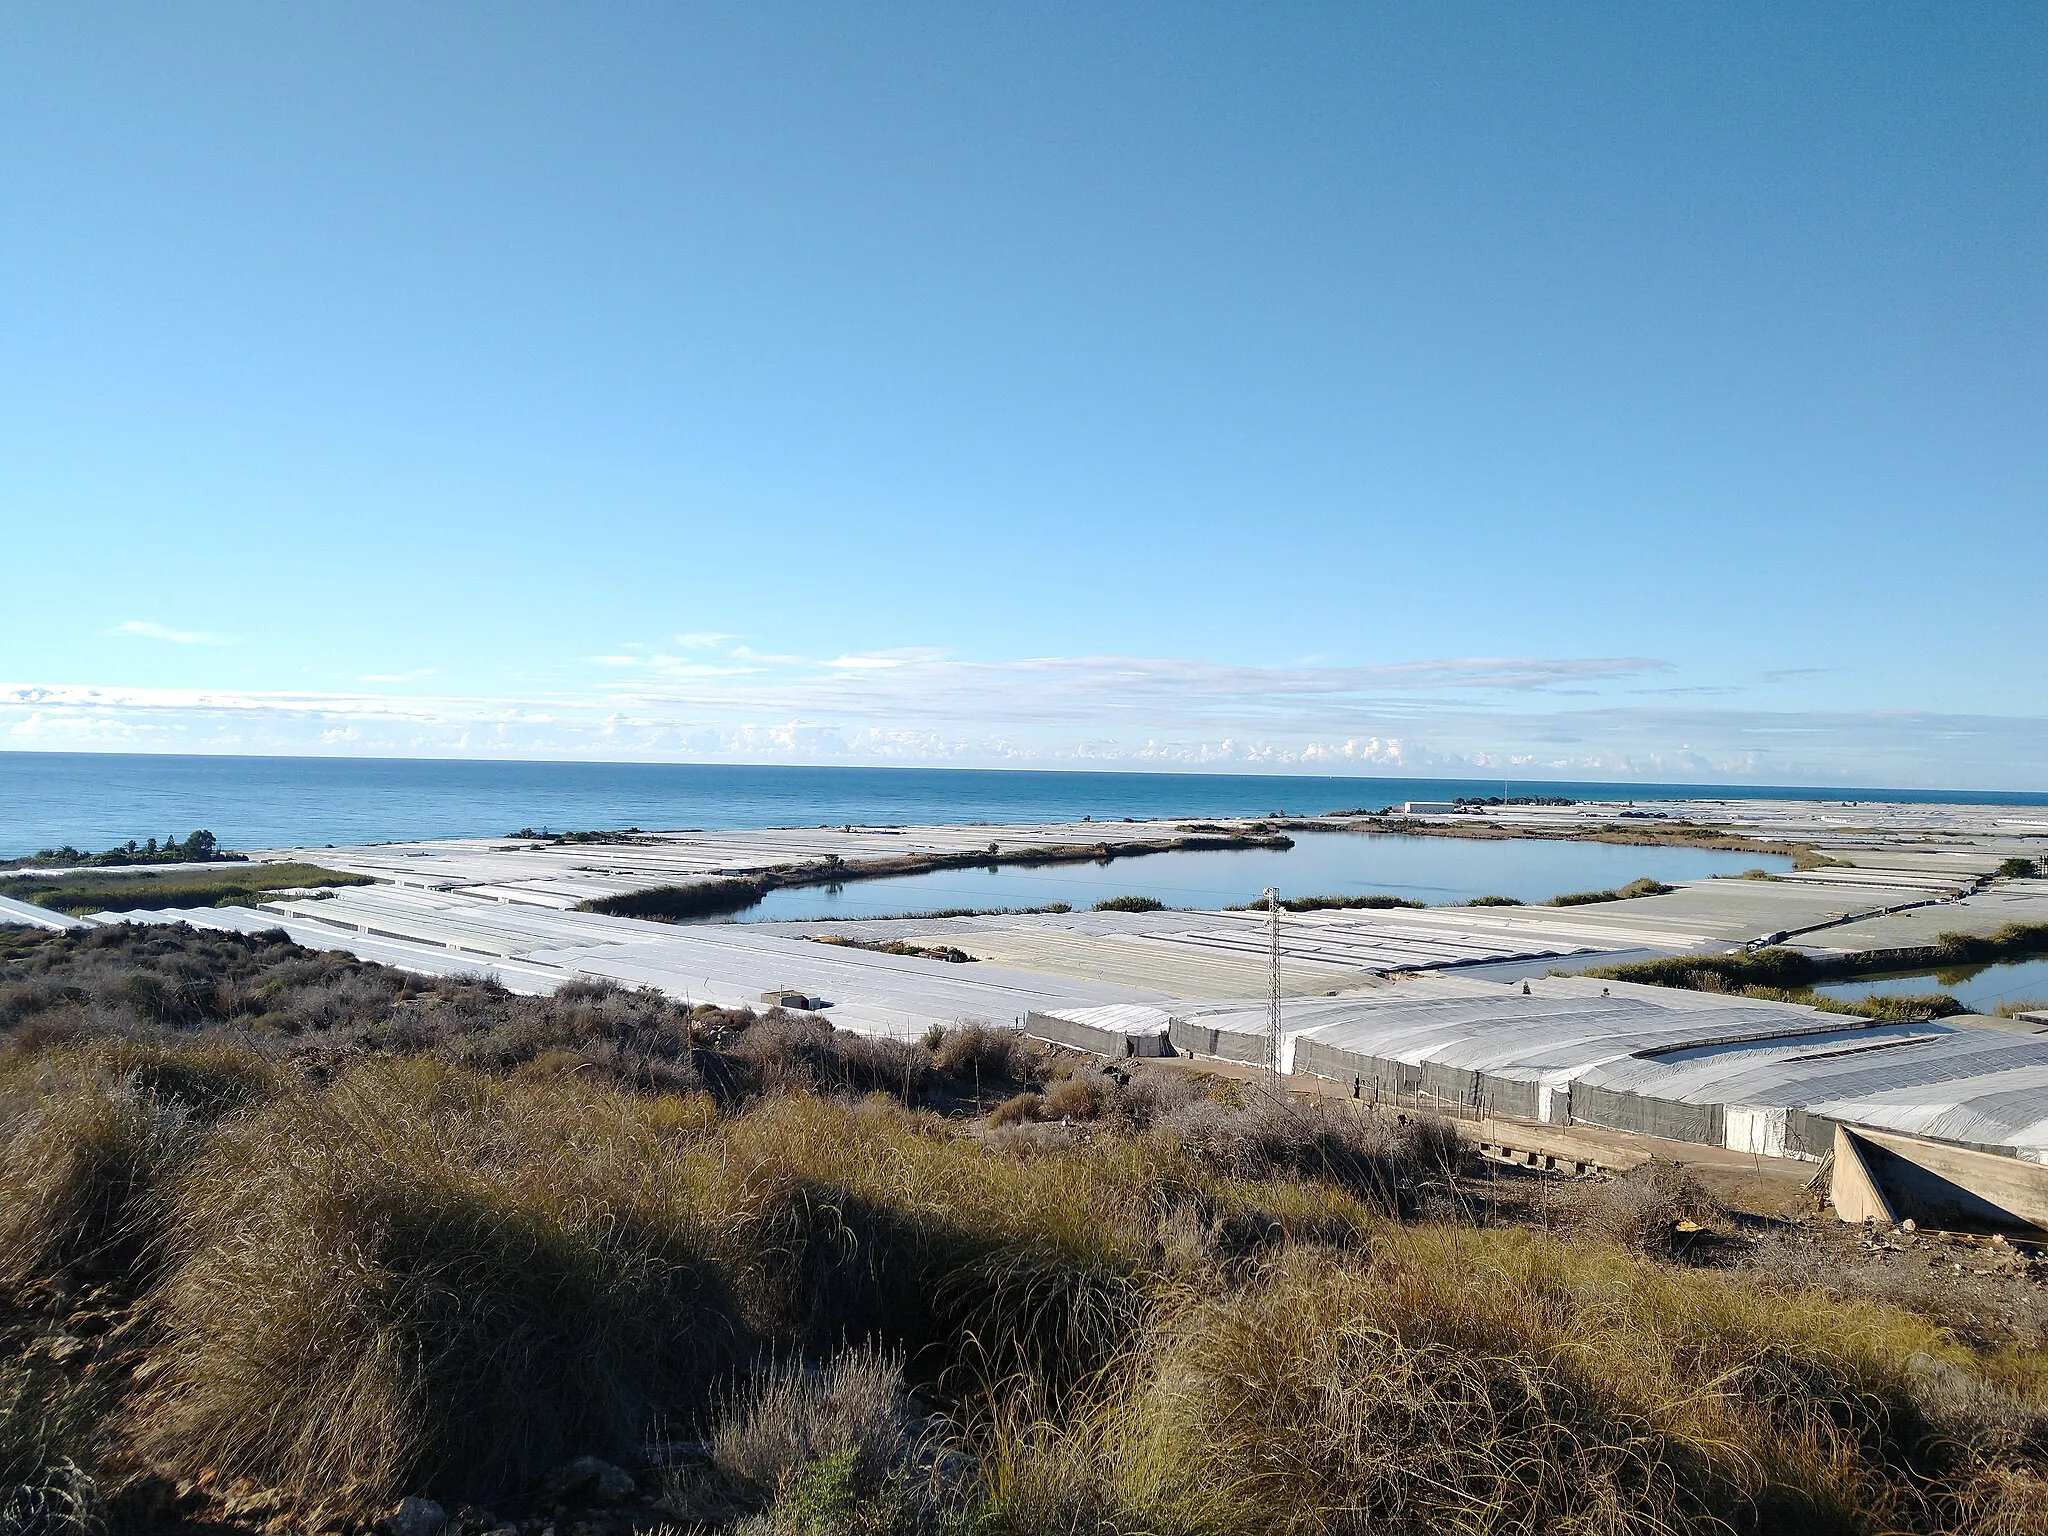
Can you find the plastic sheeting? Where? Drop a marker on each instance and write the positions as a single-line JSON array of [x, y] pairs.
[[1762, 1077]]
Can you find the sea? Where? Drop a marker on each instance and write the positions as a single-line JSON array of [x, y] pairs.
[[95, 800]]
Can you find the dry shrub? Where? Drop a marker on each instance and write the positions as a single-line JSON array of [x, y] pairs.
[[453, 1284], [788, 1053], [1029, 1138], [874, 1064], [152, 983], [792, 1416], [1375, 1155], [829, 1451], [1143, 1095], [1985, 1415], [792, 1053], [1072, 1098], [1016, 1110], [1648, 1208], [987, 1054]]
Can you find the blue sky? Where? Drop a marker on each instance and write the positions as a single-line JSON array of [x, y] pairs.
[[1591, 391]]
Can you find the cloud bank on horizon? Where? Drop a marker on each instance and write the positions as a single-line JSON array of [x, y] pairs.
[[712, 698]]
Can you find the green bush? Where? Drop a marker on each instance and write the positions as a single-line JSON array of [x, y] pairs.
[[1629, 892]]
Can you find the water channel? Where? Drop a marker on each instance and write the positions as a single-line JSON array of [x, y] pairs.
[[1433, 870], [1979, 988]]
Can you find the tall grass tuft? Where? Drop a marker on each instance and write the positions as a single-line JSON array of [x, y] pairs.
[[88, 1135], [1497, 1381], [420, 1280]]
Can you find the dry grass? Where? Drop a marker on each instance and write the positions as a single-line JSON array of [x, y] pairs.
[[1373, 1155], [365, 1274], [849, 1415], [1072, 1098], [1016, 1110], [50, 1436], [1657, 1207], [88, 1135], [984, 1053], [1504, 1382], [452, 1283]]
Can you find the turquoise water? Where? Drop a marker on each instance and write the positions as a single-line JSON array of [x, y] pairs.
[[1979, 988], [98, 800], [1426, 869]]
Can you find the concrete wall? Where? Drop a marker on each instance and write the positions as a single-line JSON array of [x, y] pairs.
[[1090, 1037], [1228, 1044], [1883, 1176]]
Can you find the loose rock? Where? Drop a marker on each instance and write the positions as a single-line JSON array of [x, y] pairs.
[[588, 1478], [415, 1517]]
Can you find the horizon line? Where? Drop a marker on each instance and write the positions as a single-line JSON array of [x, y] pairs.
[[1729, 790]]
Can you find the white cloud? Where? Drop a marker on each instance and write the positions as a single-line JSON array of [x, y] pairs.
[[873, 661], [1480, 717], [147, 629]]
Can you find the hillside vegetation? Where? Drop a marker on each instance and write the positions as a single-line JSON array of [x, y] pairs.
[[196, 847], [81, 892], [286, 1238]]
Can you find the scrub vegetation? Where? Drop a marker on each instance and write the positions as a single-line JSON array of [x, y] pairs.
[[1332, 904], [236, 884], [1654, 831], [195, 848], [286, 1238], [1790, 975], [1629, 892]]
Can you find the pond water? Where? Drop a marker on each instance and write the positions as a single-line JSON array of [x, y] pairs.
[[1434, 870], [1979, 988]]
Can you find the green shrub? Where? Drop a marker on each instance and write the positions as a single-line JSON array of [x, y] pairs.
[[232, 884], [1629, 892]]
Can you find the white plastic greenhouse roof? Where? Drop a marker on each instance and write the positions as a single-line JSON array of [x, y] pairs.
[[1119, 1018], [536, 949], [1937, 1078], [1497, 1029], [24, 914]]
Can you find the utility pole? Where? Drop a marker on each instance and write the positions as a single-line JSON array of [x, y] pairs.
[[1273, 985]]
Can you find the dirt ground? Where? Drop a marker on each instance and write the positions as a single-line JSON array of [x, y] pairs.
[[1780, 1227]]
